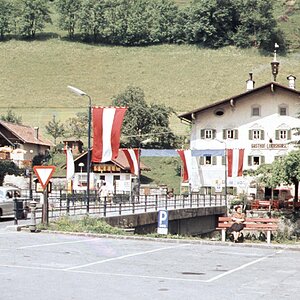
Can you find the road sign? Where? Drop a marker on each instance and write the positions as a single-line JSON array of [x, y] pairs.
[[44, 174], [163, 225]]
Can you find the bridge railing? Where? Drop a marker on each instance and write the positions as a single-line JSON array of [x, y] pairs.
[[60, 204]]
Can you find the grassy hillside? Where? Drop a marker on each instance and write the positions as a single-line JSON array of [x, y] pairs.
[[35, 75]]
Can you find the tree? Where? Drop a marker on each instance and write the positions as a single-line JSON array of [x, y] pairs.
[[5, 17], [257, 26], [285, 170], [55, 129], [11, 117], [211, 23], [68, 11], [78, 126], [31, 16], [8, 168], [144, 122]]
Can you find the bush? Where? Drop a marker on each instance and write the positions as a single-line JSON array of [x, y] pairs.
[[86, 224]]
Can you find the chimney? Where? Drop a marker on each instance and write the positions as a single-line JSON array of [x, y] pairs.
[[250, 83], [36, 132], [291, 79]]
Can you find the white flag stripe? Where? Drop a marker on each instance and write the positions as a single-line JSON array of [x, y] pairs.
[[70, 164], [108, 119], [44, 174], [235, 162], [134, 160]]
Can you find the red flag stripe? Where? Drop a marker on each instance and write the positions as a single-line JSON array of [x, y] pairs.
[[185, 175], [132, 156]]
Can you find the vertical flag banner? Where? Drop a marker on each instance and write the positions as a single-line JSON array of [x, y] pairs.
[[132, 156], [107, 124], [186, 157], [235, 160], [70, 164]]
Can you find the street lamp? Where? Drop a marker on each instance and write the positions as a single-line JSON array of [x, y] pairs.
[[88, 166]]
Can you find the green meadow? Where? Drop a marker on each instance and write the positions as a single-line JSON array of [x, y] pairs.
[[35, 76]]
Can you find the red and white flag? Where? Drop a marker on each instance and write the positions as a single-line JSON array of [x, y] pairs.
[[132, 156], [70, 164], [235, 160], [186, 157], [107, 124]]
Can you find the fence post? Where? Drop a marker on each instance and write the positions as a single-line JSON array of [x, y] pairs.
[[120, 208], [156, 202], [166, 202], [191, 200], [133, 206], [16, 211], [175, 197], [104, 207], [145, 203]]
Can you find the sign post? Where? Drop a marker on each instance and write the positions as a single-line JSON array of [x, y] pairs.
[[44, 174], [162, 226]]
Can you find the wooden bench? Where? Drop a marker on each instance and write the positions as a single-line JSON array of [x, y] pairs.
[[264, 204], [251, 224]]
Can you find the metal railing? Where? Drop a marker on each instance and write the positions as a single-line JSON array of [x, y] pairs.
[[61, 204]]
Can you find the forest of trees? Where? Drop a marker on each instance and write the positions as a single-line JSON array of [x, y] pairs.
[[207, 23]]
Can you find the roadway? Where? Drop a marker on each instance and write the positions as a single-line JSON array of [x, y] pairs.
[[55, 266]]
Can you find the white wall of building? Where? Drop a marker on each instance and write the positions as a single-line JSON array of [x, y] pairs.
[[238, 116]]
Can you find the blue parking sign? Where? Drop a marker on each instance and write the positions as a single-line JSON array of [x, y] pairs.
[[163, 220]]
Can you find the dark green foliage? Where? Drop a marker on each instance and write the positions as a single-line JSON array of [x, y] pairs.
[[144, 125], [40, 159], [208, 23], [6, 11], [31, 16], [11, 117], [68, 11], [212, 23], [8, 167]]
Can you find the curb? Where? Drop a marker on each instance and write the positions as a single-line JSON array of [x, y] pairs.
[[179, 241]]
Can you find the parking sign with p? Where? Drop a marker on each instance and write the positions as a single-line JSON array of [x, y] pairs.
[[162, 226]]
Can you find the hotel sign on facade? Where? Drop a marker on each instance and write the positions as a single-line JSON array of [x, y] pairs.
[[269, 146]]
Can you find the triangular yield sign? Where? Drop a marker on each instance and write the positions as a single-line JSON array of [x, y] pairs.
[[44, 174]]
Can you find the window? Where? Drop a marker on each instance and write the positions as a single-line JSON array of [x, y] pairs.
[[219, 112], [255, 111], [282, 111], [256, 134], [283, 134], [208, 160], [208, 133], [230, 134], [256, 160]]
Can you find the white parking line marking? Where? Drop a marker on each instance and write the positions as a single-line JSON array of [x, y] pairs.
[[102, 273], [243, 266], [124, 256], [55, 244]]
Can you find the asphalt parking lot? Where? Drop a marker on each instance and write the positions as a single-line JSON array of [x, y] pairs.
[[56, 266]]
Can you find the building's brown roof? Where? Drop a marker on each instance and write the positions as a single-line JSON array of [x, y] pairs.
[[26, 134], [121, 161], [272, 85]]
